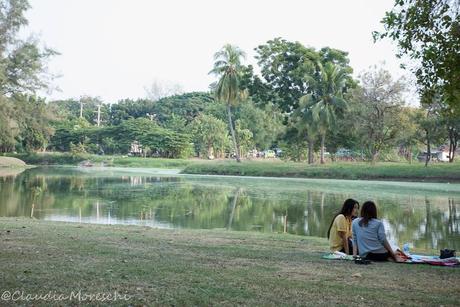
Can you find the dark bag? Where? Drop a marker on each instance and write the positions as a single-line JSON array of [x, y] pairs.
[[447, 253], [359, 260]]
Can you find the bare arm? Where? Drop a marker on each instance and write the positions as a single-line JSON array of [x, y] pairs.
[[389, 249]]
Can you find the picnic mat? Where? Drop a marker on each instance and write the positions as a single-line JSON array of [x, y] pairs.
[[403, 258]]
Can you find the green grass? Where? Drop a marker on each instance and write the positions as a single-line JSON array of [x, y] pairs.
[[63, 158], [144, 162], [442, 172], [204, 267]]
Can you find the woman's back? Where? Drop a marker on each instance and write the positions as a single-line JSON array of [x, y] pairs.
[[369, 238]]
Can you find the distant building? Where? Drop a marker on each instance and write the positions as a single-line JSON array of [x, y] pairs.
[[438, 155], [136, 149]]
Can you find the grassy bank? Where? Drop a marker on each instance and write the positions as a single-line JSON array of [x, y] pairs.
[[59, 158], [440, 172], [204, 267], [437, 172]]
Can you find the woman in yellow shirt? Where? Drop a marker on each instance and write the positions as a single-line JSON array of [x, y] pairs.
[[339, 233]]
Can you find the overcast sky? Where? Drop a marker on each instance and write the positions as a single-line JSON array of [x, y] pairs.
[[115, 48]]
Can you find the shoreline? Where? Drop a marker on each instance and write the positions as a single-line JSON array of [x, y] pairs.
[[382, 171]]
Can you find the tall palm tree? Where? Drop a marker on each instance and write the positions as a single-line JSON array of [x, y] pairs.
[[326, 100], [227, 67]]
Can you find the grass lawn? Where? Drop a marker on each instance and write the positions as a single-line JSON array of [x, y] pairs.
[[203, 267], [63, 158], [440, 172]]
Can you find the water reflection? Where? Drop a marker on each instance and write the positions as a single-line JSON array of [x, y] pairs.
[[425, 216]]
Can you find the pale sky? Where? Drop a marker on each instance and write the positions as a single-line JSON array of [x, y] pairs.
[[115, 48]]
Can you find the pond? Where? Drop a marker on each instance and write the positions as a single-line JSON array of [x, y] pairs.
[[426, 215]]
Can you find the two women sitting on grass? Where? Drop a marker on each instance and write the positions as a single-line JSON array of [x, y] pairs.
[[365, 234], [339, 232]]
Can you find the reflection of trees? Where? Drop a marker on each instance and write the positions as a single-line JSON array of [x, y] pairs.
[[233, 207], [428, 221]]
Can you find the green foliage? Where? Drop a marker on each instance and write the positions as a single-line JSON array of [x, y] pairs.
[[245, 139], [77, 149], [28, 119], [162, 142], [306, 84], [22, 63], [283, 66], [9, 126], [187, 106], [24, 119], [265, 123], [428, 32], [210, 135], [379, 112]]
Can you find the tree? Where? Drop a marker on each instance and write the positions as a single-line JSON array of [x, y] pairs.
[[25, 119], [431, 129], [302, 122], [22, 63], [264, 122], [283, 65], [209, 135], [227, 90], [9, 126], [451, 119], [33, 117], [292, 71], [408, 141], [187, 105], [245, 138], [428, 32], [326, 100], [380, 100]]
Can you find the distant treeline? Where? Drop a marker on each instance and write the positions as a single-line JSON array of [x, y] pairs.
[[305, 102]]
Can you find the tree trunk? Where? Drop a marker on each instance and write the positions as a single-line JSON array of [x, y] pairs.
[[235, 143], [375, 155], [209, 151], [452, 155], [428, 148], [310, 151], [323, 137], [453, 140]]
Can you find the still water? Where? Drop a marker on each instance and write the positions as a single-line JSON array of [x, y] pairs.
[[427, 215]]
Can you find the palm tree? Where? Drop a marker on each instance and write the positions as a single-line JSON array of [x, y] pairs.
[[227, 90], [326, 99]]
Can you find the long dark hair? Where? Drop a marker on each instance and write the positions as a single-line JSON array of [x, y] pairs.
[[347, 210], [368, 212]]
